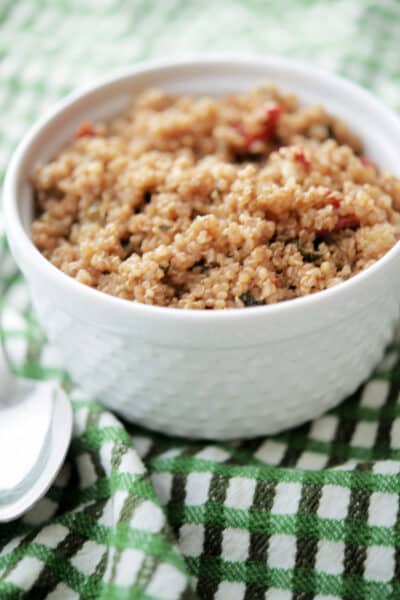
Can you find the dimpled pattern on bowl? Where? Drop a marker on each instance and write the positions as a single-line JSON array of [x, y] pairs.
[[220, 393]]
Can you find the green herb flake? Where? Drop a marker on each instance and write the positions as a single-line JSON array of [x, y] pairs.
[[164, 227], [249, 300], [202, 265], [308, 256]]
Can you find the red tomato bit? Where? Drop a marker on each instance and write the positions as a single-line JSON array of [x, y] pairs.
[[268, 131], [366, 162], [300, 157], [273, 113], [248, 138], [347, 222], [85, 129], [334, 199]]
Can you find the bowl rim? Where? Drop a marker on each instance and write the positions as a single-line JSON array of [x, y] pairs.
[[15, 230]]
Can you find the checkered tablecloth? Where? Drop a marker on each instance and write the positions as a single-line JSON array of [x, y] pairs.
[[312, 513]]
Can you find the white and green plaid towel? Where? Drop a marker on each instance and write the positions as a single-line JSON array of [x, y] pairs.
[[309, 514]]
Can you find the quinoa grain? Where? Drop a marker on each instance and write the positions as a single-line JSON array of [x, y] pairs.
[[209, 203]]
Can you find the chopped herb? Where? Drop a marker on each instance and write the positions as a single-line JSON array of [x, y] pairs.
[[164, 227], [308, 256], [201, 264], [249, 300]]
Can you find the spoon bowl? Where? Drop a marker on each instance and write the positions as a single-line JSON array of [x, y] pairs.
[[35, 431]]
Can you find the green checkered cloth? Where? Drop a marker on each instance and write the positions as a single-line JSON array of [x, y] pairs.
[[311, 513]]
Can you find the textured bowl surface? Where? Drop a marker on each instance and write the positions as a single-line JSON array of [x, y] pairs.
[[211, 374]]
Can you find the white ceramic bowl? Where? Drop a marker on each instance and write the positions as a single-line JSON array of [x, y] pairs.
[[211, 374]]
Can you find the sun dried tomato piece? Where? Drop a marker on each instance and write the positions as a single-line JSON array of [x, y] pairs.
[[248, 138], [85, 129], [366, 162], [266, 133], [301, 158], [273, 113], [334, 199], [336, 202], [347, 222]]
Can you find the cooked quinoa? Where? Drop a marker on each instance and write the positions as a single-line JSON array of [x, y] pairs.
[[214, 203]]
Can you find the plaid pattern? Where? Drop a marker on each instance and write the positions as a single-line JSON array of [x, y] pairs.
[[311, 513]]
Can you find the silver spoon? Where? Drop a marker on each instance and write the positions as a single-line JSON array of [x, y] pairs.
[[35, 431]]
